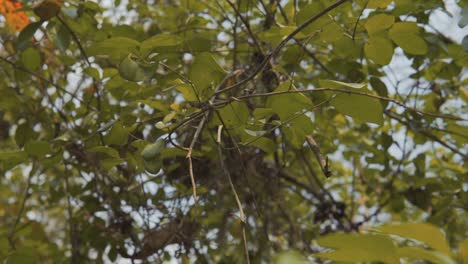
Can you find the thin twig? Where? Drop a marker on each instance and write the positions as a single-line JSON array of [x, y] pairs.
[[233, 189], [200, 126], [323, 162], [383, 98], [75, 38], [247, 26], [427, 134], [283, 14], [23, 206], [359, 18], [314, 58], [262, 65], [20, 68], [75, 251]]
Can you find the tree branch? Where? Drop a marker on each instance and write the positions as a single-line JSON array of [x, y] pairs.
[[281, 45]]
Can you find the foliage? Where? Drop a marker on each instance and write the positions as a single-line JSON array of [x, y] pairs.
[[231, 131]]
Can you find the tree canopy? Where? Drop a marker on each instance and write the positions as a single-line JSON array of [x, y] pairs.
[[232, 131]]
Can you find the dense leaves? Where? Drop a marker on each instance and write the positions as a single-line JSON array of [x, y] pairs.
[[233, 131]]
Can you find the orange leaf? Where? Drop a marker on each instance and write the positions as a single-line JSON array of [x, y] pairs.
[[14, 19]]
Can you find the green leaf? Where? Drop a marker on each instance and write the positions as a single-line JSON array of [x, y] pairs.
[[459, 129], [9, 160], [406, 35], [379, 50], [378, 3], [463, 250], [24, 255], [159, 41], [380, 88], [186, 90], [287, 104], [378, 23], [264, 144], [255, 133], [465, 43], [113, 153], [418, 253], [360, 107], [234, 115], [331, 32], [463, 17], [130, 70], [118, 135], [309, 11], [31, 59], [110, 163], [59, 35], [296, 129], [199, 41], [152, 150], [153, 166], [262, 113], [291, 257], [429, 234], [205, 73], [23, 134], [93, 72], [275, 35], [26, 34], [176, 152], [37, 149], [115, 48], [359, 248], [347, 48]]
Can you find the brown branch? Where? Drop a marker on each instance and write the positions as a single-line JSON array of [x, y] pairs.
[[323, 162], [200, 126]]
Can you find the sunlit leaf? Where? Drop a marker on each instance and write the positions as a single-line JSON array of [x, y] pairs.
[[359, 248], [105, 150], [287, 104], [406, 35], [158, 41], [117, 135], [359, 106], [379, 50], [426, 233], [130, 70], [116, 48], [378, 23], [205, 73], [37, 148], [234, 114], [424, 254]]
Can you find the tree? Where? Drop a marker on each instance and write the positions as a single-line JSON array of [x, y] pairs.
[[232, 131]]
